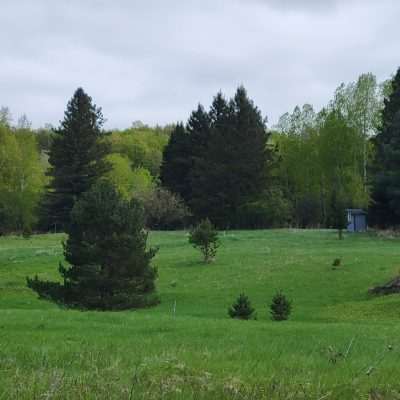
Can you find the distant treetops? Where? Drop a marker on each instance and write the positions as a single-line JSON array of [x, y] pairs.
[[221, 164]]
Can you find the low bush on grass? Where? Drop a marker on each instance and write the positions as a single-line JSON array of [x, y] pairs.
[[205, 238]]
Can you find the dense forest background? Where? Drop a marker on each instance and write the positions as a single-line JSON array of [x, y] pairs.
[[223, 163]]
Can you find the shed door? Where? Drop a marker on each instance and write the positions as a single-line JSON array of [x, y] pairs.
[[360, 223]]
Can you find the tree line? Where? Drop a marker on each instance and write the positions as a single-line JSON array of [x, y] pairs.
[[40, 167], [223, 163], [304, 172]]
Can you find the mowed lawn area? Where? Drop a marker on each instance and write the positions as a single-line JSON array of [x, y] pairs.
[[339, 343]]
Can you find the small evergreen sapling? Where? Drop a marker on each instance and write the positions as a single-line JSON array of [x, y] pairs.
[[242, 308], [205, 238], [280, 307], [337, 262]]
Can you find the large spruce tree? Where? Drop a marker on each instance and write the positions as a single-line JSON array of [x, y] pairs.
[[109, 265], [76, 158], [386, 196]]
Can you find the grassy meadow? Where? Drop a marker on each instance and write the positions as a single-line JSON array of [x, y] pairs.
[[339, 343]]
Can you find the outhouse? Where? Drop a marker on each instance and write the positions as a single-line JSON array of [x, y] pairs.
[[356, 220]]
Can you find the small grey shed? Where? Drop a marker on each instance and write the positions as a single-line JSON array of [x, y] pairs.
[[356, 220]]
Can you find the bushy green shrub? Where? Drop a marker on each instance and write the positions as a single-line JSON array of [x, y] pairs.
[[205, 237], [242, 308], [281, 307]]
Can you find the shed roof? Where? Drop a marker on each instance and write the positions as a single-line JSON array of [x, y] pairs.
[[356, 211]]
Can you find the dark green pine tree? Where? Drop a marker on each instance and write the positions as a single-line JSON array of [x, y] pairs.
[[109, 263], [386, 193], [280, 307], [176, 163], [184, 146], [242, 308], [250, 147], [208, 179], [76, 158], [198, 127], [232, 171]]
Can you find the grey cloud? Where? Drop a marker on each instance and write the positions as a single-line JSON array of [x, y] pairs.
[[156, 60]]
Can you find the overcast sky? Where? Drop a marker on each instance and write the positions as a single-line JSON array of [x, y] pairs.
[[154, 60]]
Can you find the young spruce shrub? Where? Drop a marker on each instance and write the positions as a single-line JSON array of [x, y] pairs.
[[242, 308], [109, 264], [280, 307], [205, 238], [336, 262]]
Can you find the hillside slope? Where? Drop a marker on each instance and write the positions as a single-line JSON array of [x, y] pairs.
[[339, 342]]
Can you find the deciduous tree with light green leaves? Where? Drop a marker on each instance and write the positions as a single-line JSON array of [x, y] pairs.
[[143, 146], [360, 103], [22, 179], [313, 163], [129, 182]]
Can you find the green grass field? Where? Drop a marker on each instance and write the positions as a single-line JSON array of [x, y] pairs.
[[339, 343]]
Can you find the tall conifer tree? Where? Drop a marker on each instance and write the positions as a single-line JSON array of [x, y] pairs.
[[76, 158], [232, 170], [185, 146], [386, 207], [209, 199], [176, 163], [109, 263], [198, 127]]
